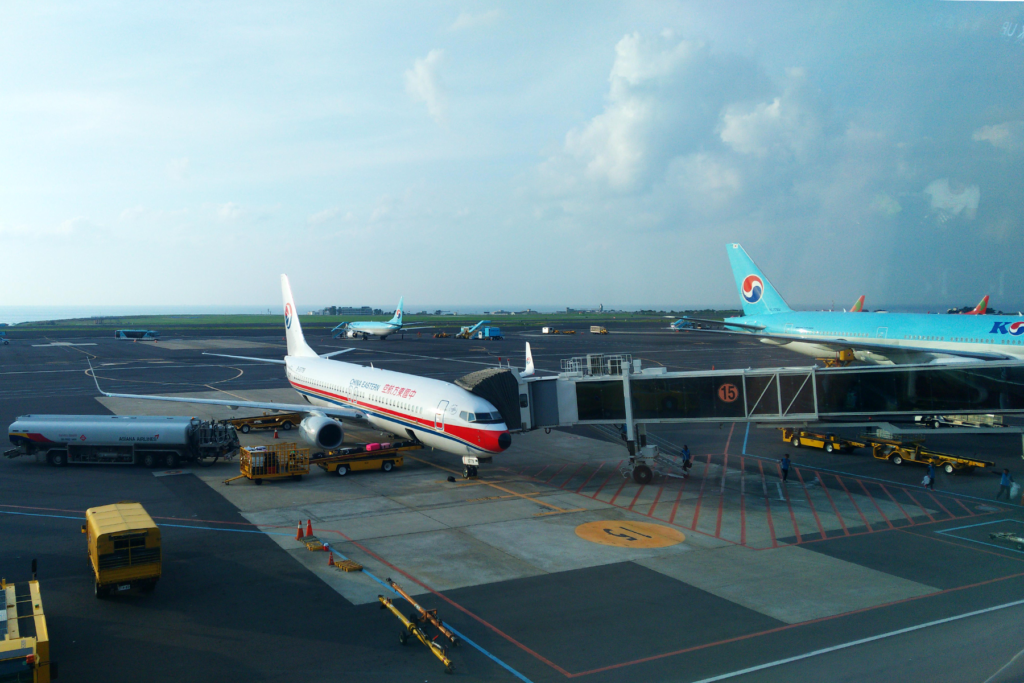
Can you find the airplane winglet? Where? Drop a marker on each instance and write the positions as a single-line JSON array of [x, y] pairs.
[[530, 368]]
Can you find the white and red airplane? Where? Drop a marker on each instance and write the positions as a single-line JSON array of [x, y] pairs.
[[435, 413]]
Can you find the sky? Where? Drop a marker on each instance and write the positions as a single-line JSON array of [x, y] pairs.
[[510, 154]]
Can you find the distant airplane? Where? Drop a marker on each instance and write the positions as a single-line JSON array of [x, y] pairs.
[[882, 338], [438, 414], [980, 308], [369, 328]]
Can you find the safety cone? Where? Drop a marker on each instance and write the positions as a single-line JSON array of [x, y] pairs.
[[275, 433], [298, 532], [309, 527], [330, 559]]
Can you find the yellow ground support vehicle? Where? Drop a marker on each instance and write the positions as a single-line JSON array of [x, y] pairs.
[[598, 329], [842, 358], [124, 548], [280, 461], [24, 639], [899, 452], [830, 442], [356, 458], [284, 421]]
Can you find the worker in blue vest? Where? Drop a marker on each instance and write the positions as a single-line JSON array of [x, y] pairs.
[[931, 476], [784, 465], [1005, 481], [685, 455]]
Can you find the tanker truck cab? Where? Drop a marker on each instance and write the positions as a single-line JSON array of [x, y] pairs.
[[124, 548]]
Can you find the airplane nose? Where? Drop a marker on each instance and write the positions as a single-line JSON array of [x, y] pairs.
[[504, 441]]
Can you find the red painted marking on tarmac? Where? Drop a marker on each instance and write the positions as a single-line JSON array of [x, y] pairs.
[[909, 518], [721, 495], [603, 483], [917, 504], [573, 475], [587, 481], [675, 506], [534, 476], [875, 503], [556, 473], [941, 505], [855, 506], [973, 546], [637, 496], [833, 504], [700, 496], [743, 510], [966, 509], [787, 627], [656, 499], [728, 439], [767, 505], [792, 515], [807, 493], [625, 480]]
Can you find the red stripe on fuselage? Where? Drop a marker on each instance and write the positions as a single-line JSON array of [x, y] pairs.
[[484, 439]]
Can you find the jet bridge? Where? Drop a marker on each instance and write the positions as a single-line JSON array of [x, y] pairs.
[[616, 389]]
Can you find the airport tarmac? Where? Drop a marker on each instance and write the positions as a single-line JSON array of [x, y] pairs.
[[736, 571]]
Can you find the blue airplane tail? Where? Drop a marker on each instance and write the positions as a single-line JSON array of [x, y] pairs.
[[396, 319], [757, 294]]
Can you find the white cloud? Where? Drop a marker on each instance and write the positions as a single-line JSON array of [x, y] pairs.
[[1008, 135], [706, 179], [953, 199], [177, 169], [779, 126], [328, 215], [469, 21], [229, 211], [71, 226], [423, 84]]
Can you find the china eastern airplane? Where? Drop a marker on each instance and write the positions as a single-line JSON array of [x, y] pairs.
[[881, 338], [435, 413], [375, 329]]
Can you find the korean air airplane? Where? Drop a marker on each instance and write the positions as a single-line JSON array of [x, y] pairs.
[[880, 338], [370, 328], [436, 413]]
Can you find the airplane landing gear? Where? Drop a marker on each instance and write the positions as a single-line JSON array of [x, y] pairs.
[[469, 465]]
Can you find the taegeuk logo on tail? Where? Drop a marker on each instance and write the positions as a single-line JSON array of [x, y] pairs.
[[753, 288]]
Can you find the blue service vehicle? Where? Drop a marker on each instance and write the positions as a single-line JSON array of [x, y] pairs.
[[3, 338], [136, 334], [490, 333]]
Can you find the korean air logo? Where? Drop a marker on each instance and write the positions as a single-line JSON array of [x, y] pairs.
[[1015, 329], [288, 316], [753, 288]]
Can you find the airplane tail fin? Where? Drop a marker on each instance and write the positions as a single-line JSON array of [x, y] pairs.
[[757, 294], [859, 305], [396, 319], [529, 369], [292, 327], [981, 307]]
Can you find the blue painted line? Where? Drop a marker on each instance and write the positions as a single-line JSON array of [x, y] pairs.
[[971, 526], [257, 531], [471, 643], [745, 437], [177, 526]]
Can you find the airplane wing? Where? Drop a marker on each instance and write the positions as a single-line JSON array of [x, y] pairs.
[[422, 327], [718, 322], [262, 405], [839, 344], [258, 360]]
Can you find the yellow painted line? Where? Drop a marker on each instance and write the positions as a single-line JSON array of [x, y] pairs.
[[627, 534], [559, 512], [488, 483]]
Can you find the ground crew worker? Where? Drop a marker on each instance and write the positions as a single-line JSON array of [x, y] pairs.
[[1004, 484], [931, 476], [785, 466], [685, 455]]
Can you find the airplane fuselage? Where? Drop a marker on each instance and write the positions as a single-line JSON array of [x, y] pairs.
[[815, 333], [436, 413], [371, 329]]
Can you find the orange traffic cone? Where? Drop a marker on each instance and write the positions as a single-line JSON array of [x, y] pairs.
[[330, 559], [298, 532], [275, 433], [309, 527]]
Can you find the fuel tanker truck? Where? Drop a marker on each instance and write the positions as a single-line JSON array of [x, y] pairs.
[[120, 440]]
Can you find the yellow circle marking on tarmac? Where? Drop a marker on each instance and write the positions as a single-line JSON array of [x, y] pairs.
[[625, 534]]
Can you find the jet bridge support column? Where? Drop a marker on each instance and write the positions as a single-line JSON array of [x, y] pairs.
[[630, 427]]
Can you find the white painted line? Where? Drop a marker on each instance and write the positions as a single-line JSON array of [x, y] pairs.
[[171, 473], [971, 526], [779, 487], [62, 344], [862, 641]]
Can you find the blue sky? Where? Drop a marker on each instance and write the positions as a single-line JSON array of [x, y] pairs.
[[510, 154]]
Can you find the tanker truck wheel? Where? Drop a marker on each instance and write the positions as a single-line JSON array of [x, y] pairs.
[[172, 461], [149, 460], [57, 458]]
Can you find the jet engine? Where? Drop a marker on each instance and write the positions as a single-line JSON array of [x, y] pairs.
[[320, 431]]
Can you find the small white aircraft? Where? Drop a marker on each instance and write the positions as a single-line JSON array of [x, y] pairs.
[[367, 329], [435, 413]]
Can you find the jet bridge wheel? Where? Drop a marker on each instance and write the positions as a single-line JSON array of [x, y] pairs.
[[643, 475]]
